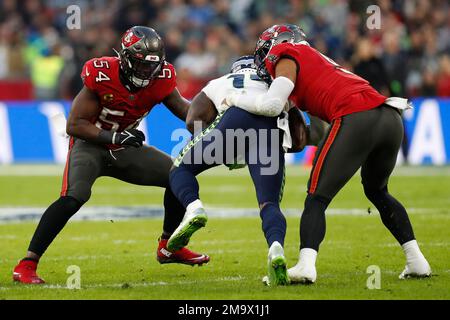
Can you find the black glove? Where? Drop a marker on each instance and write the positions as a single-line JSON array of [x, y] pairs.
[[131, 137]]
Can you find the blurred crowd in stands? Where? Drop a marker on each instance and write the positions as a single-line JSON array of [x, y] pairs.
[[408, 56]]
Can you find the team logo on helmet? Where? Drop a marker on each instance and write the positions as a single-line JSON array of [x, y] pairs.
[[129, 39], [273, 58]]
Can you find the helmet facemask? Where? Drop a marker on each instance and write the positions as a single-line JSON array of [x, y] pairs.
[[271, 37], [261, 53], [140, 71]]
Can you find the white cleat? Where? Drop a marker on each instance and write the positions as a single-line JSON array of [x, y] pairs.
[[303, 273], [416, 269]]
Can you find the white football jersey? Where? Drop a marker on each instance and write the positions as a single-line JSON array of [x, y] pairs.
[[218, 89]]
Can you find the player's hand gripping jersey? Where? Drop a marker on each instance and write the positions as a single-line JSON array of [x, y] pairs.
[[119, 108], [218, 89], [323, 88]]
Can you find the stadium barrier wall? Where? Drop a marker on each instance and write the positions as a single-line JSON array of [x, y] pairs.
[[29, 135]]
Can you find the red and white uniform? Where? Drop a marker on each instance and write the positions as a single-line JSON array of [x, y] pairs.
[[323, 88], [120, 109]]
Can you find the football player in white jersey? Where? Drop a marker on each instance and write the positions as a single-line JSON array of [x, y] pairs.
[[232, 136]]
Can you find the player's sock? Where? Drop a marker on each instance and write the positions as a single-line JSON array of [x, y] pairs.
[[193, 206], [273, 223], [392, 213], [305, 269], [412, 251], [416, 264], [173, 214], [312, 224], [184, 185], [52, 222], [308, 256]]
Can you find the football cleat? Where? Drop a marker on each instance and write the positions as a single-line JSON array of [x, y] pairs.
[[303, 273], [25, 272], [417, 269], [276, 263], [184, 255], [190, 224]]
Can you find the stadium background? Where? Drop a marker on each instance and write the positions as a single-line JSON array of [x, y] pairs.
[[40, 62]]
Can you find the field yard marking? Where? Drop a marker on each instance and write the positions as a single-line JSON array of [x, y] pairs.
[[136, 284], [132, 285], [221, 171], [422, 243], [31, 170], [8, 236], [123, 255], [163, 283], [17, 214], [100, 213], [232, 189]]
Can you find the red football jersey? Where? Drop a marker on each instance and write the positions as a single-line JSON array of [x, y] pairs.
[[121, 109], [323, 88]]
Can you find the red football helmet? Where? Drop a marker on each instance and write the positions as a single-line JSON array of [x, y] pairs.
[[276, 34]]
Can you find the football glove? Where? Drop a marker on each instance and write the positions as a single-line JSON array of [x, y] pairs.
[[131, 137]]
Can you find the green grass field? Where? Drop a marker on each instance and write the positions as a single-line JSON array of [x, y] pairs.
[[117, 259]]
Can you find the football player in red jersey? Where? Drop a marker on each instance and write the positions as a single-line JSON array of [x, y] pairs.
[[366, 132], [118, 92]]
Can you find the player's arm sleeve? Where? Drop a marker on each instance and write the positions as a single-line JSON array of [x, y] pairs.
[[169, 75], [268, 104]]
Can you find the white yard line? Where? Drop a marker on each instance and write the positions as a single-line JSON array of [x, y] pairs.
[[132, 285], [292, 170], [100, 213], [139, 284], [31, 170]]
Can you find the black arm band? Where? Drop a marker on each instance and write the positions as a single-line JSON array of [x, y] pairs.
[[105, 137]]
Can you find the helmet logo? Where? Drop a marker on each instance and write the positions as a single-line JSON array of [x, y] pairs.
[[152, 58], [272, 58], [129, 39]]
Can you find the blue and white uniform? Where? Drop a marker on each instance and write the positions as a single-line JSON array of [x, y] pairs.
[[237, 136]]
